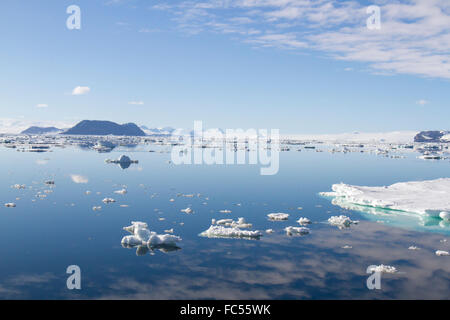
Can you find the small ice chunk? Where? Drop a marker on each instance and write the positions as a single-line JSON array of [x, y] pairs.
[[18, 186], [225, 211], [122, 191], [108, 200], [187, 210], [10, 205], [141, 235], [97, 208], [131, 241], [341, 221], [227, 232], [49, 182], [240, 223], [290, 231], [442, 253], [169, 231], [444, 215], [270, 231], [303, 221], [383, 269], [278, 216], [346, 247], [172, 200]]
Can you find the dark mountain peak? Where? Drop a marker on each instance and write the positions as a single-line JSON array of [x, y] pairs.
[[40, 130], [103, 128]]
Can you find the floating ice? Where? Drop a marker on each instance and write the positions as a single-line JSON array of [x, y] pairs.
[[290, 231], [240, 223], [18, 186], [187, 210], [383, 269], [227, 232], [278, 216], [108, 200], [430, 197], [141, 235], [122, 191], [413, 248], [225, 211], [442, 253], [10, 205], [270, 231], [445, 216], [341, 221], [303, 221], [97, 208]]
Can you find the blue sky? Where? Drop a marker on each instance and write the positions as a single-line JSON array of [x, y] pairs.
[[298, 65]]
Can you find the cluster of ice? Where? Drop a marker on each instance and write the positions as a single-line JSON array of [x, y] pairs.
[[18, 186], [431, 197], [141, 235], [187, 210], [108, 200], [442, 253], [230, 232], [290, 231], [303, 221], [122, 191], [240, 223], [383, 269], [10, 205], [341, 221], [278, 216]]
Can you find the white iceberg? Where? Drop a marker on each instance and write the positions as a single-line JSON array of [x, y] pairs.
[[228, 232], [108, 200], [442, 253], [10, 205], [383, 269], [122, 191], [290, 231], [141, 235], [341, 221], [240, 223], [431, 197], [303, 221], [278, 216], [187, 210]]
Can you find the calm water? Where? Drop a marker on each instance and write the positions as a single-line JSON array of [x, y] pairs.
[[41, 238]]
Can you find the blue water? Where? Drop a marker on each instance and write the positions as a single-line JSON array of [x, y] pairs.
[[40, 238]]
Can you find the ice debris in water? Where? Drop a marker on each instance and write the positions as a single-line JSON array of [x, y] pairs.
[[383, 269], [230, 232], [225, 211], [269, 231], [97, 208], [108, 200], [187, 210], [341, 221], [431, 197], [278, 216], [122, 191], [141, 235], [290, 231], [10, 205], [445, 215], [240, 223], [413, 248], [303, 221], [442, 253], [18, 186]]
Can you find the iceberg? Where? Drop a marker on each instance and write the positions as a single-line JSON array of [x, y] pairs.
[[382, 269], [290, 231], [303, 221], [429, 198], [230, 232], [442, 253], [240, 223], [341, 221], [141, 235], [278, 216], [10, 205]]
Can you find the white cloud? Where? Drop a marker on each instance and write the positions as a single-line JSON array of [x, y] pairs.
[[422, 102], [414, 37], [80, 90], [42, 105], [17, 125], [79, 179], [139, 103]]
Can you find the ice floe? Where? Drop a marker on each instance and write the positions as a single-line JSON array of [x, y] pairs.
[[303, 221], [240, 223], [383, 269], [215, 231], [278, 216], [10, 205], [431, 197], [341, 221], [108, 200], [121, 191], [141, 235], [291, 231], [442, 253], [187, 210]]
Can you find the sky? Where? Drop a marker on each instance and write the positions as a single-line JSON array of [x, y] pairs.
[[301, 66]]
